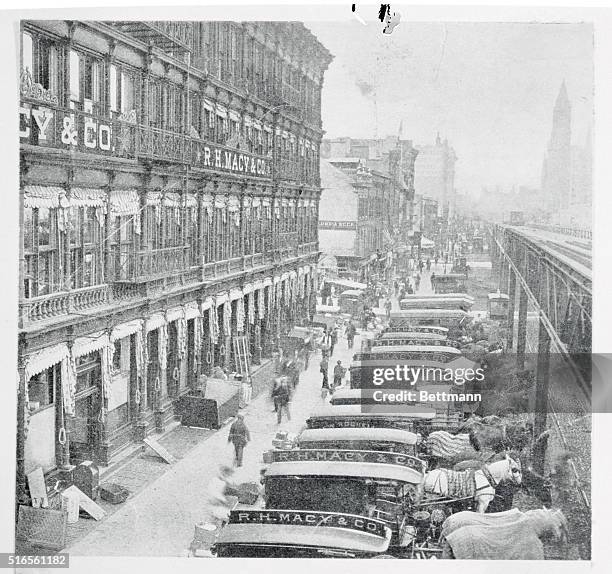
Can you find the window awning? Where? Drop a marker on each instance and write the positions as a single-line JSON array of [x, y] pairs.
[[234, 116], [207, 304], [221, 112], [221, 298], [45, 358], [125, 329], [191, 310], [153, 198], [90, 343], [174, 314], [80, 197], [124, 202], [267, 282], [172, 200], [248, 288], [235, 294], [208, 105], [154, 322], [37, 196], [191, 200], [267, 129]]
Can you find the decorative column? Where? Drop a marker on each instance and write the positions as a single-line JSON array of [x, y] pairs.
[[21, 486], [142, 350]]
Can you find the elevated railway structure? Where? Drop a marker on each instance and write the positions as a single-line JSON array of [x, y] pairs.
[[549, 271]]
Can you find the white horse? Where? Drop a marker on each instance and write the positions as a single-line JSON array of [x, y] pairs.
[[510, 535], [477, 484]]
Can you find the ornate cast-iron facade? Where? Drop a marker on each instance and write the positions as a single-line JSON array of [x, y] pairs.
[[168, 202]]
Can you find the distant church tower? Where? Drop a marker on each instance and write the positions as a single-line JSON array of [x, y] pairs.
[[558, 162]]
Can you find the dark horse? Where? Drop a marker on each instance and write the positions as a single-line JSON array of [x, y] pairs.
[[532, 484]]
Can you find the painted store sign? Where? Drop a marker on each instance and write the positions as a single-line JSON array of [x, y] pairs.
[[309, 518], [358, 456], [76, 130]]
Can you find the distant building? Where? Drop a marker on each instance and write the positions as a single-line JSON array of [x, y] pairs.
[[382, 174], [339, 218], [434, 175], [567, 170]]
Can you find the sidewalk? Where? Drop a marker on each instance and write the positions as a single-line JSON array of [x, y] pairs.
[[159, 520]]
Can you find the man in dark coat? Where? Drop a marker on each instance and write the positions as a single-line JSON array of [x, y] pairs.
[[339, 371], [239, 436], [281, 395], [333, 339]]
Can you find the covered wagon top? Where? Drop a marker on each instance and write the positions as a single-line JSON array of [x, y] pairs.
[[347, 283], [381, 411], [347, 463], [434, 296], [498, 295], [358, 434], [381, 350], [413, 335], [428, 314], [305, 528], [352, 293]]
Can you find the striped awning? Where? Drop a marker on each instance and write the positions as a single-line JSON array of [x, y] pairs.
[[208, 105], [191, 200], [267, 282], [172, 200], [221, 298], [221, 111], [234, 116], [233, 203], [125, 329], [207, 304], [191, 310], [37, 196], [154, 322], [45, 358], [125, 202], [247, 288], [174, 314], [90, 343], [235, 294], [153, 198], [81, 197]]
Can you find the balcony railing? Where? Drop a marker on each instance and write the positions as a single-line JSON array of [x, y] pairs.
[[64, 303], [217, 269], [167, 35], [121, 136]]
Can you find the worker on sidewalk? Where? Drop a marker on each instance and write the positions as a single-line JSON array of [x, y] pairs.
[[239, 436]]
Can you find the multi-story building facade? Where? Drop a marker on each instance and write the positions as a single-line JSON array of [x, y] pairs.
[[434, 175], [382, 174], [168, 205]]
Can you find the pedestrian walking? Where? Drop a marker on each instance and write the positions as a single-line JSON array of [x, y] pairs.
[[332, 341], [339, 371], [417, 282], [239, 436], [218, 504], [293, 372], [421, 266], [395, 287], [428, 264], [282, 396], [350, 334], [388, 308], [323, 369], [247, 389], [410, 290]]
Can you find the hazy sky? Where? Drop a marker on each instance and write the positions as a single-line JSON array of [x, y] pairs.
[[487, 87]]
